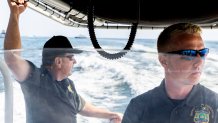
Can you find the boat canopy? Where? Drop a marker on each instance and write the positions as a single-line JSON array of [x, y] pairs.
[[122, 13]]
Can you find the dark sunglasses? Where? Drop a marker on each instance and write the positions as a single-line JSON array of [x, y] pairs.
[[191, 54]]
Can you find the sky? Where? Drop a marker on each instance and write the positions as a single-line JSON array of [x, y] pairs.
[[34, 24]]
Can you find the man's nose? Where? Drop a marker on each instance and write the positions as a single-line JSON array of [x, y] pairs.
[[74, 61], [198, 61]]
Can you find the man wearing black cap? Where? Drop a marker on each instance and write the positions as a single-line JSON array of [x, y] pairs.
[[50, 97]]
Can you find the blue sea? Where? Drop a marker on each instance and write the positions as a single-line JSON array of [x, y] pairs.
[[107, 83]]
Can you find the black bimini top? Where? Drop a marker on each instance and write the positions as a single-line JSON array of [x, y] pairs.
[[153, 13]]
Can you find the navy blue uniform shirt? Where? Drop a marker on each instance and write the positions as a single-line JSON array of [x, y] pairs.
[[155, 106], [50, 101]]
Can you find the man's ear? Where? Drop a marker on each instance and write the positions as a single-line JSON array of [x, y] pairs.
[[58, 62], [163, 60]]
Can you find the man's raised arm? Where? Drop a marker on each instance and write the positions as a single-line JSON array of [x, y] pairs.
[[12, 43]]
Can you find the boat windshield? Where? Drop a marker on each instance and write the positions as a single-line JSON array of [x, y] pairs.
[[109, 84]]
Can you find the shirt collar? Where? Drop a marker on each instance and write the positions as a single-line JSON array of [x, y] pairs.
[[45, 71], [193, 98], [163, 94]]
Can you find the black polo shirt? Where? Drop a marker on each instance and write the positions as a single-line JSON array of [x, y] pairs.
[[154, 106], [46, 101]]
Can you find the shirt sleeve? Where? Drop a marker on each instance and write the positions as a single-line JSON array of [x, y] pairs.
[[79, 101], [33, 77], [81, 104]]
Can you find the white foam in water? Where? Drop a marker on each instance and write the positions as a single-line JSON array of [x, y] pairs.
[[138, 47], [210, 72], [99, 73]]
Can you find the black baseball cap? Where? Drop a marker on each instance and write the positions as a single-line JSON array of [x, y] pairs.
[[57, 46], [60, 44]]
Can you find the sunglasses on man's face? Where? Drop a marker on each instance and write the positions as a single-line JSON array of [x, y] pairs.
[[191, 54]]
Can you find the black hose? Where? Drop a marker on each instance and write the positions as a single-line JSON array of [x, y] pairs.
[[96, 44]]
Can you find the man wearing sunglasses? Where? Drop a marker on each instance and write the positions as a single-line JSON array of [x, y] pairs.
[[179, 98], [50, 96]]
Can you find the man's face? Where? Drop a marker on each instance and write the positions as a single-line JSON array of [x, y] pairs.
[[181, 68], [67, 64]]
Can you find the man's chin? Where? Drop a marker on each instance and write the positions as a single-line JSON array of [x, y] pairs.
[[70, 74], [192, 81]]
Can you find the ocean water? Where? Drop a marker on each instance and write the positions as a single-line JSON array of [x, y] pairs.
[[107, 83]]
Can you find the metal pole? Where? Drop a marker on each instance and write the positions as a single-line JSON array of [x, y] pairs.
[[8, 92]]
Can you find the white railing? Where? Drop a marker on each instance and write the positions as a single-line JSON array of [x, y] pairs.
[[8, 92]]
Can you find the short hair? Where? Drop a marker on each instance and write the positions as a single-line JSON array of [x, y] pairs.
[[56, 46], [179, 28]]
